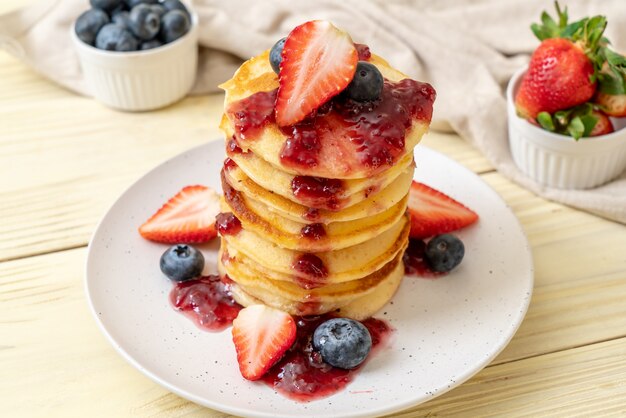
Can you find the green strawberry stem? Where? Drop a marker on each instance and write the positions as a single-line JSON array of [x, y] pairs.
[[576, 122], [612, 80], [587, 32]]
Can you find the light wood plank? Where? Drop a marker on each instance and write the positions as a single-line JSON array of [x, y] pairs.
[[53, 358], [581, 382], [580, 275]]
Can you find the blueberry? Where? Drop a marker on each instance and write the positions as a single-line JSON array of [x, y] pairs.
[[276, 56], [89, 23], [170, 5], [144, 23], [342, 342], [133, 3], [119, 9], [174, 25], [113, 37], [106, 5], [444, 252], [182, 262], [154, 43], [367, 84], [122, 19], [158, 9]]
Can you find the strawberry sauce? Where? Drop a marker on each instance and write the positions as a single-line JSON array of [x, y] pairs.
[[414, 262], [206, 301], [313, 231], [227, 223], [311, 266], [369, 135], [363, 51], [317, 192], [301, 374]]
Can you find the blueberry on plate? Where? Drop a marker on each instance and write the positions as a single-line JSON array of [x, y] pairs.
[[367, 84], [106, 5], [174, 25], [182, 262], [89, 23], [276, 56], [154, 43], [144, 22], [444, 252], [113, 37], [342, 342], [170, 5], [132, 3], [122, 19]]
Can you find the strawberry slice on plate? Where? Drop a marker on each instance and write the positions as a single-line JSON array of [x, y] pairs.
[[261, 335], [188, 217], [433, 213], [318, 62]]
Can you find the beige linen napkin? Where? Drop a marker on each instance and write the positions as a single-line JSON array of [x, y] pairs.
[[466, 49]]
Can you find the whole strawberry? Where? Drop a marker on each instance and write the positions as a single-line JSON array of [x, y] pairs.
[[563, 69], [559, 76]]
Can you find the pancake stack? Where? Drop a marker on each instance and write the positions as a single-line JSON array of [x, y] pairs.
[[314, 215]]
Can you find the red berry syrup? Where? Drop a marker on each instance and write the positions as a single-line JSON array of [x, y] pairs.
[[415, 263], [317, 192], [227, 223], [313, 231], [301, 374], [206, 301], [372, 133]]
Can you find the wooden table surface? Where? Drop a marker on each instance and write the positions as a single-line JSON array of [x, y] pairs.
[[64, 159]]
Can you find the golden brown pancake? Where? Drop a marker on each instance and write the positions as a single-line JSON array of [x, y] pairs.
[[348, 264], [291, 298], [338, 156], [256, 217], [251, 168]]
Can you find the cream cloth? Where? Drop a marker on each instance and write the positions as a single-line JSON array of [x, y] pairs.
[[466, 49]]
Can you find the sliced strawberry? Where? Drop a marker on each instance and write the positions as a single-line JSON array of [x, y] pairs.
[[433, 213], [318, 62], [261, 335], [188, 217]]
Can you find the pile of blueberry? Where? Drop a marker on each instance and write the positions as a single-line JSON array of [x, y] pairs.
[[132, 25]]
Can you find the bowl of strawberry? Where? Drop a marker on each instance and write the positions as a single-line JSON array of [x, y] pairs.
[[567, 109]]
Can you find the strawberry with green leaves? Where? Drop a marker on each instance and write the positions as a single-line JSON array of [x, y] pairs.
[[562, 71], [611, 94], [580, 121]]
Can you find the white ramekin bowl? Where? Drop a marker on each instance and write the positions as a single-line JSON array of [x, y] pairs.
[[560, 161], [141, 80]]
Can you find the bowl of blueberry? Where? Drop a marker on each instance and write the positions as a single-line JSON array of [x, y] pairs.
[[137, 55]]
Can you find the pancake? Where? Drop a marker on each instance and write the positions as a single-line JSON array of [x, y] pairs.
[[359, 308], [322, 203], [255, 216], [349, 192], [345, 141], [291, 298], [370, 204], [348, 264]]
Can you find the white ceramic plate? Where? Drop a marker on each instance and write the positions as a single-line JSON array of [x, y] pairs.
[[447, 329]]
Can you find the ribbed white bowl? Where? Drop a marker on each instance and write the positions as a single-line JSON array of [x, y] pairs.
[[141, 80], [558, 160]]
